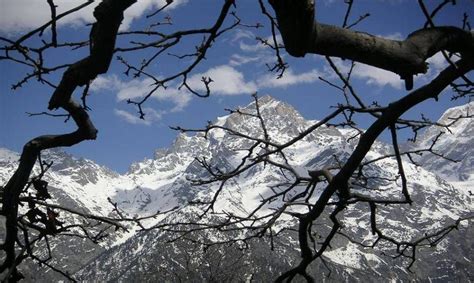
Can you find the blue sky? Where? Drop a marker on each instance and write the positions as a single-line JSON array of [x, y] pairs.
[[236, 63]]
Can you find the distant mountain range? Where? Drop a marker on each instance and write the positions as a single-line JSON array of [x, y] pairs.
[[440, 190]]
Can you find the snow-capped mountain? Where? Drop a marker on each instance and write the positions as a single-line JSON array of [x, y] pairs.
[[454, 143], [163, 182], [72, 183]]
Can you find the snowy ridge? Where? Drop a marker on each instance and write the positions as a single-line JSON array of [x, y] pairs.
[[455, 143], [8, 155], [162, 182]]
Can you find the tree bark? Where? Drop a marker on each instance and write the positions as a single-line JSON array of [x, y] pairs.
[[340, 180], [302, 35], [109, 15]]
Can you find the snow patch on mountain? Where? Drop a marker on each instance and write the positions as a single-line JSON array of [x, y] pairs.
[[163, 182], [455, 143]]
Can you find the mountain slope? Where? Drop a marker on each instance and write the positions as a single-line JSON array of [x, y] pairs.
[[455, 143], [147, 257], [162, 182]]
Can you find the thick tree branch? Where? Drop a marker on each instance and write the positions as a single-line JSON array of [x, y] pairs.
[[109, 14], [341, 179], [302, 34]]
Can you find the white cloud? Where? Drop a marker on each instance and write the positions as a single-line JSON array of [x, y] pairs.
[[381, 78], [438, 62], [251, 47], [260, 58], [289, 78], [259, 45], [132, 89], [229, 81], [180, 98], [226, 81], [240, 33], [243, 37], [106, 82], [138, 88], [135, 89], [377, 77], [151, 116], [371, 75], [253, 51], [138, 9], [22, 15], [393, 36], [237, 60]]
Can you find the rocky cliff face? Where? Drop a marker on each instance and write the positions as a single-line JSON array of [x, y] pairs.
[[163, 182]]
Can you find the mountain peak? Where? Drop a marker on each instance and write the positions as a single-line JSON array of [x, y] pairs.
[[265, 102], [163, 183], [8, 155], [455, 142], [281, 119], [456, 112], [266, 99]]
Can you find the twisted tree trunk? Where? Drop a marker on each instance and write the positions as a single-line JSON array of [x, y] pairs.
[[109, 15]]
